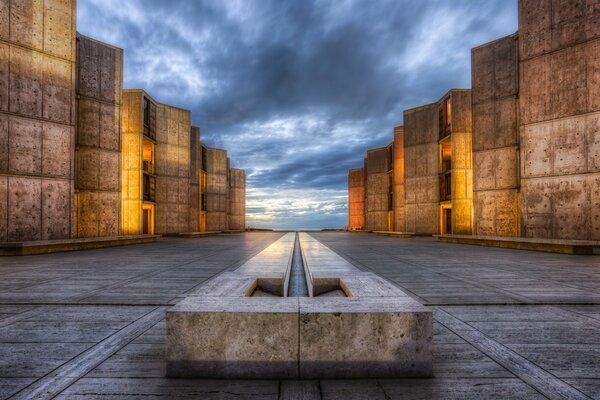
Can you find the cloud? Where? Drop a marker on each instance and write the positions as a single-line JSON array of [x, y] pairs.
[[297, 91]]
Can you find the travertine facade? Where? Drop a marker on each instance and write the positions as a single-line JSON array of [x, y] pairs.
[[237, 199], [37, 119], [98, 150], [356, 199]]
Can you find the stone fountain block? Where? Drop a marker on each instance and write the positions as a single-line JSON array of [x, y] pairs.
[[233, 337], [369, 337]]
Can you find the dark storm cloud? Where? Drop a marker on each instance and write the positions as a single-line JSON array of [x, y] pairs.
[[297, 91]]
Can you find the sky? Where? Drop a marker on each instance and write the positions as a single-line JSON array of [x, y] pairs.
[[297, 90]]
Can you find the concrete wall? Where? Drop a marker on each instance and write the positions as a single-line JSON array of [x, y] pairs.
[[98, 151], [356, 199], [560, 118], [217, 189], [377, 191], [173, 157], [399, 196], [237, 199], [421, 170], [495, 138], [37, 116], [462, 169], [195, 164]]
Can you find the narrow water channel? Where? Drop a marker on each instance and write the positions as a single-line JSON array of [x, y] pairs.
[[297, 285]]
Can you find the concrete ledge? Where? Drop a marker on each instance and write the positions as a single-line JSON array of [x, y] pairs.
[[55, 246], [193, 234], [359, 231], [403, 235], [233, 231], [583, 247]]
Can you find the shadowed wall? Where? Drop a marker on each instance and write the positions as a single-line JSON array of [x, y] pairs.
[[37, 116], [98, 151]]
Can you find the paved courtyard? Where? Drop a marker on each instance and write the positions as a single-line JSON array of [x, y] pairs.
[[509, 324]]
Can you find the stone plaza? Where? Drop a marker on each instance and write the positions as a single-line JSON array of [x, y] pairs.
[[507, 323]]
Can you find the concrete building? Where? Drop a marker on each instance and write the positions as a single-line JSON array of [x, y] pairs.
[[237, 199], [80, 157], [537, 103], [356, 199], [422, 182]]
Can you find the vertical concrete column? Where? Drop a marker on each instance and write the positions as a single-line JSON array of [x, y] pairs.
[[98, 151], [495, 138], [237, 199], [195, 163], [462, 169], [421, 170], [37, 117], [399, 197], [217, 188], [172, 170], [377, 190], [356, 199]]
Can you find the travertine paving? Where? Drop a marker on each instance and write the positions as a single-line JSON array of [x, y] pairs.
[[508, 323]]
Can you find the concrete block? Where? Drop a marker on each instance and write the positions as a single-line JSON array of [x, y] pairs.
[[3, 208], [592, 131], [110, 130], [27, 23], [593, 72], [87, 214], [482, 72], [88, 126], [25, 82], [535, 90], [88, 168], [56, 215], [24, 203], [505, 67], [25, 146], [595, 207], [109, 172], [568, 82], [109, 214], [4, 160], [56, 150], [535, 21], [536, 149], [59, 32], [4, 20], [496, 213], [364, 337], [569, 146], [4, 76], [109, 69], [228, 337]]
